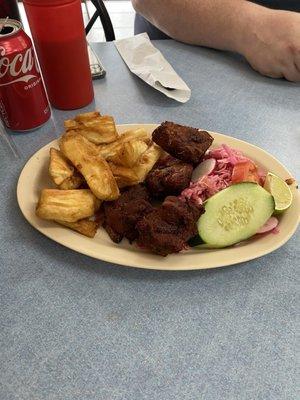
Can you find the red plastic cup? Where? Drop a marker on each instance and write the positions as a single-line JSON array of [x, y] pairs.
[[59, 37]]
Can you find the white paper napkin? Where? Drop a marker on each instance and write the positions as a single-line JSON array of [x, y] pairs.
[[145, 61]]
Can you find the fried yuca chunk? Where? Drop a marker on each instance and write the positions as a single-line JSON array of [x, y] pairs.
[[71, 124], [74, 182], [85, 157], [67, 205], [146, 162], [129, 153], [84, 226], [96, 128], [59, 168], [137, 174], [110, 150], [87, 116], [62, 172], [124, 176], [100, 130]]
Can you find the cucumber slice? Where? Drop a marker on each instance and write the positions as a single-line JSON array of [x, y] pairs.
[[235, 214]]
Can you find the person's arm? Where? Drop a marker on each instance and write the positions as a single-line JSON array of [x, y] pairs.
[[269, 39]]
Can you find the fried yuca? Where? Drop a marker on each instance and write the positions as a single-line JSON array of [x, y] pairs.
[[67, 205], [146, 162], [62, 172], [71, 124], [87, 116], [74, 182], [129, 153], [96, 128], [85, 157], [126, 176], [84, 226], [110, 150], [59, 167]]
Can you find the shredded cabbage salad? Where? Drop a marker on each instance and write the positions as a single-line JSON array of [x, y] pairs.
[[220, 177]]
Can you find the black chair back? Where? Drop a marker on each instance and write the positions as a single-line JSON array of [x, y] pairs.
[[102, 13]]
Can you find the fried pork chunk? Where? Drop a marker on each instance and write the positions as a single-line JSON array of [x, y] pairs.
[[122, 215], [185, 143], [169, 176], [167, 229]]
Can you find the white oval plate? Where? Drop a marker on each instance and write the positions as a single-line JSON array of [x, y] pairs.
[[34, 178]]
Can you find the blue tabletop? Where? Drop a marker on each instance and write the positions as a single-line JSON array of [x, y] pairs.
[[72, 327]]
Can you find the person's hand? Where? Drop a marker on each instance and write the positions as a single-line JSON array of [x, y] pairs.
[[272, 45]]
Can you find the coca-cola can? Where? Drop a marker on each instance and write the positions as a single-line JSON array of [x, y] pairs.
[[23, 100]]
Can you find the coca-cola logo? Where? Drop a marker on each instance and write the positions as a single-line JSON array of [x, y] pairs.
[[20, 67]]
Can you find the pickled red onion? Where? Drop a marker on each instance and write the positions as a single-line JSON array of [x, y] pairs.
[[220, 177]]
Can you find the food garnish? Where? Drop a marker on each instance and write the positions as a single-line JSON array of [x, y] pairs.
[[280, 190], [269, 226], [206, 167], [221, 176], [235, 214]]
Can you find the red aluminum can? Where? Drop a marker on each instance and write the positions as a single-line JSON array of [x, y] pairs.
[[23, 100]]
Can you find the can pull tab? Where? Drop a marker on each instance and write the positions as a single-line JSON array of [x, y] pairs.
[[3, 25]]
